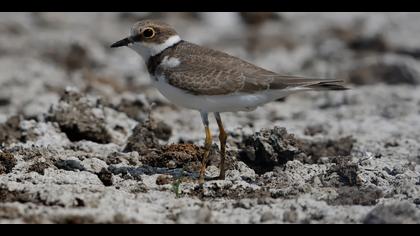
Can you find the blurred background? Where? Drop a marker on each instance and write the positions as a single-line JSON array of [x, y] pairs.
[[42, 53]]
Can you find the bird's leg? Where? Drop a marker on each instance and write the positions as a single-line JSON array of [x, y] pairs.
[[207, 145], [222, 139]]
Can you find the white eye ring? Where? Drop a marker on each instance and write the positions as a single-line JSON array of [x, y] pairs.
[[148, 33]]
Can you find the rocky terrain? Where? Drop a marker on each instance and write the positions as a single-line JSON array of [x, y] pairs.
[[84, 138]]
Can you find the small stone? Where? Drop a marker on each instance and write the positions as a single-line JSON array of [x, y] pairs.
[[171, 164]]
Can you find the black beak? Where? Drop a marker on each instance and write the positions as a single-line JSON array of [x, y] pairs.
[[122, 43]]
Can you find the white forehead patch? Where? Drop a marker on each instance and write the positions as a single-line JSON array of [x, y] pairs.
[[170, 62]]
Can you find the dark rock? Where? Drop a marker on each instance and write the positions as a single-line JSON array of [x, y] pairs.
[[78, 202], [78, 119], [69, 165], [106, 177], [7, 162], [398, 213]]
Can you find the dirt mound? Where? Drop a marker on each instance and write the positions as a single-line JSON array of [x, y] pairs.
[[81, 118]]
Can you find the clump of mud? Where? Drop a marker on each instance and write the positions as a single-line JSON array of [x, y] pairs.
[[7, 162], [268, 148], [136, 108], [10, 131], [314, 150], [81, 118], [187, 156], [146, 136], [346, 170], [39, 167], [274, 147]]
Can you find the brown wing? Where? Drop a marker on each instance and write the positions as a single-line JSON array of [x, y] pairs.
[[210, 72]]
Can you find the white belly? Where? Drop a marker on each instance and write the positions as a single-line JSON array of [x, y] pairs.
[[218, 103]]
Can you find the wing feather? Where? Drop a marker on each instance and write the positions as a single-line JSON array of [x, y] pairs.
[[210, 72]]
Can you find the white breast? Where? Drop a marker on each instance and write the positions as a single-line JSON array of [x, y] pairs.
[[218, 103]]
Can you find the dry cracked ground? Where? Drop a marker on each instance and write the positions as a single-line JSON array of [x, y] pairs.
[[84, 138]]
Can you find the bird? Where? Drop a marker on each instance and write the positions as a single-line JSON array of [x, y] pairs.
[[209, 80]]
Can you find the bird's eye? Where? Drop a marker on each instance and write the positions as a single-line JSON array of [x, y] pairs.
[[148, 33]]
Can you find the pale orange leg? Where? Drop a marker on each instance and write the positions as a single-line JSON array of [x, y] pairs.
[[207, 146], [222, 139]]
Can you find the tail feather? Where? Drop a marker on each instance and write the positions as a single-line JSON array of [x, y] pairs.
[[328, 85], [305, 82]]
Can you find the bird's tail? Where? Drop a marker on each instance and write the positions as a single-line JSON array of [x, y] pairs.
[[327, 84], [311, 83]]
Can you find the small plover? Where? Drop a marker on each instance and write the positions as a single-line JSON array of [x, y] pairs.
[[208, 80]]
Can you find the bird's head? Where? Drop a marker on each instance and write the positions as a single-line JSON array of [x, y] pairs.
[[149, 38]]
